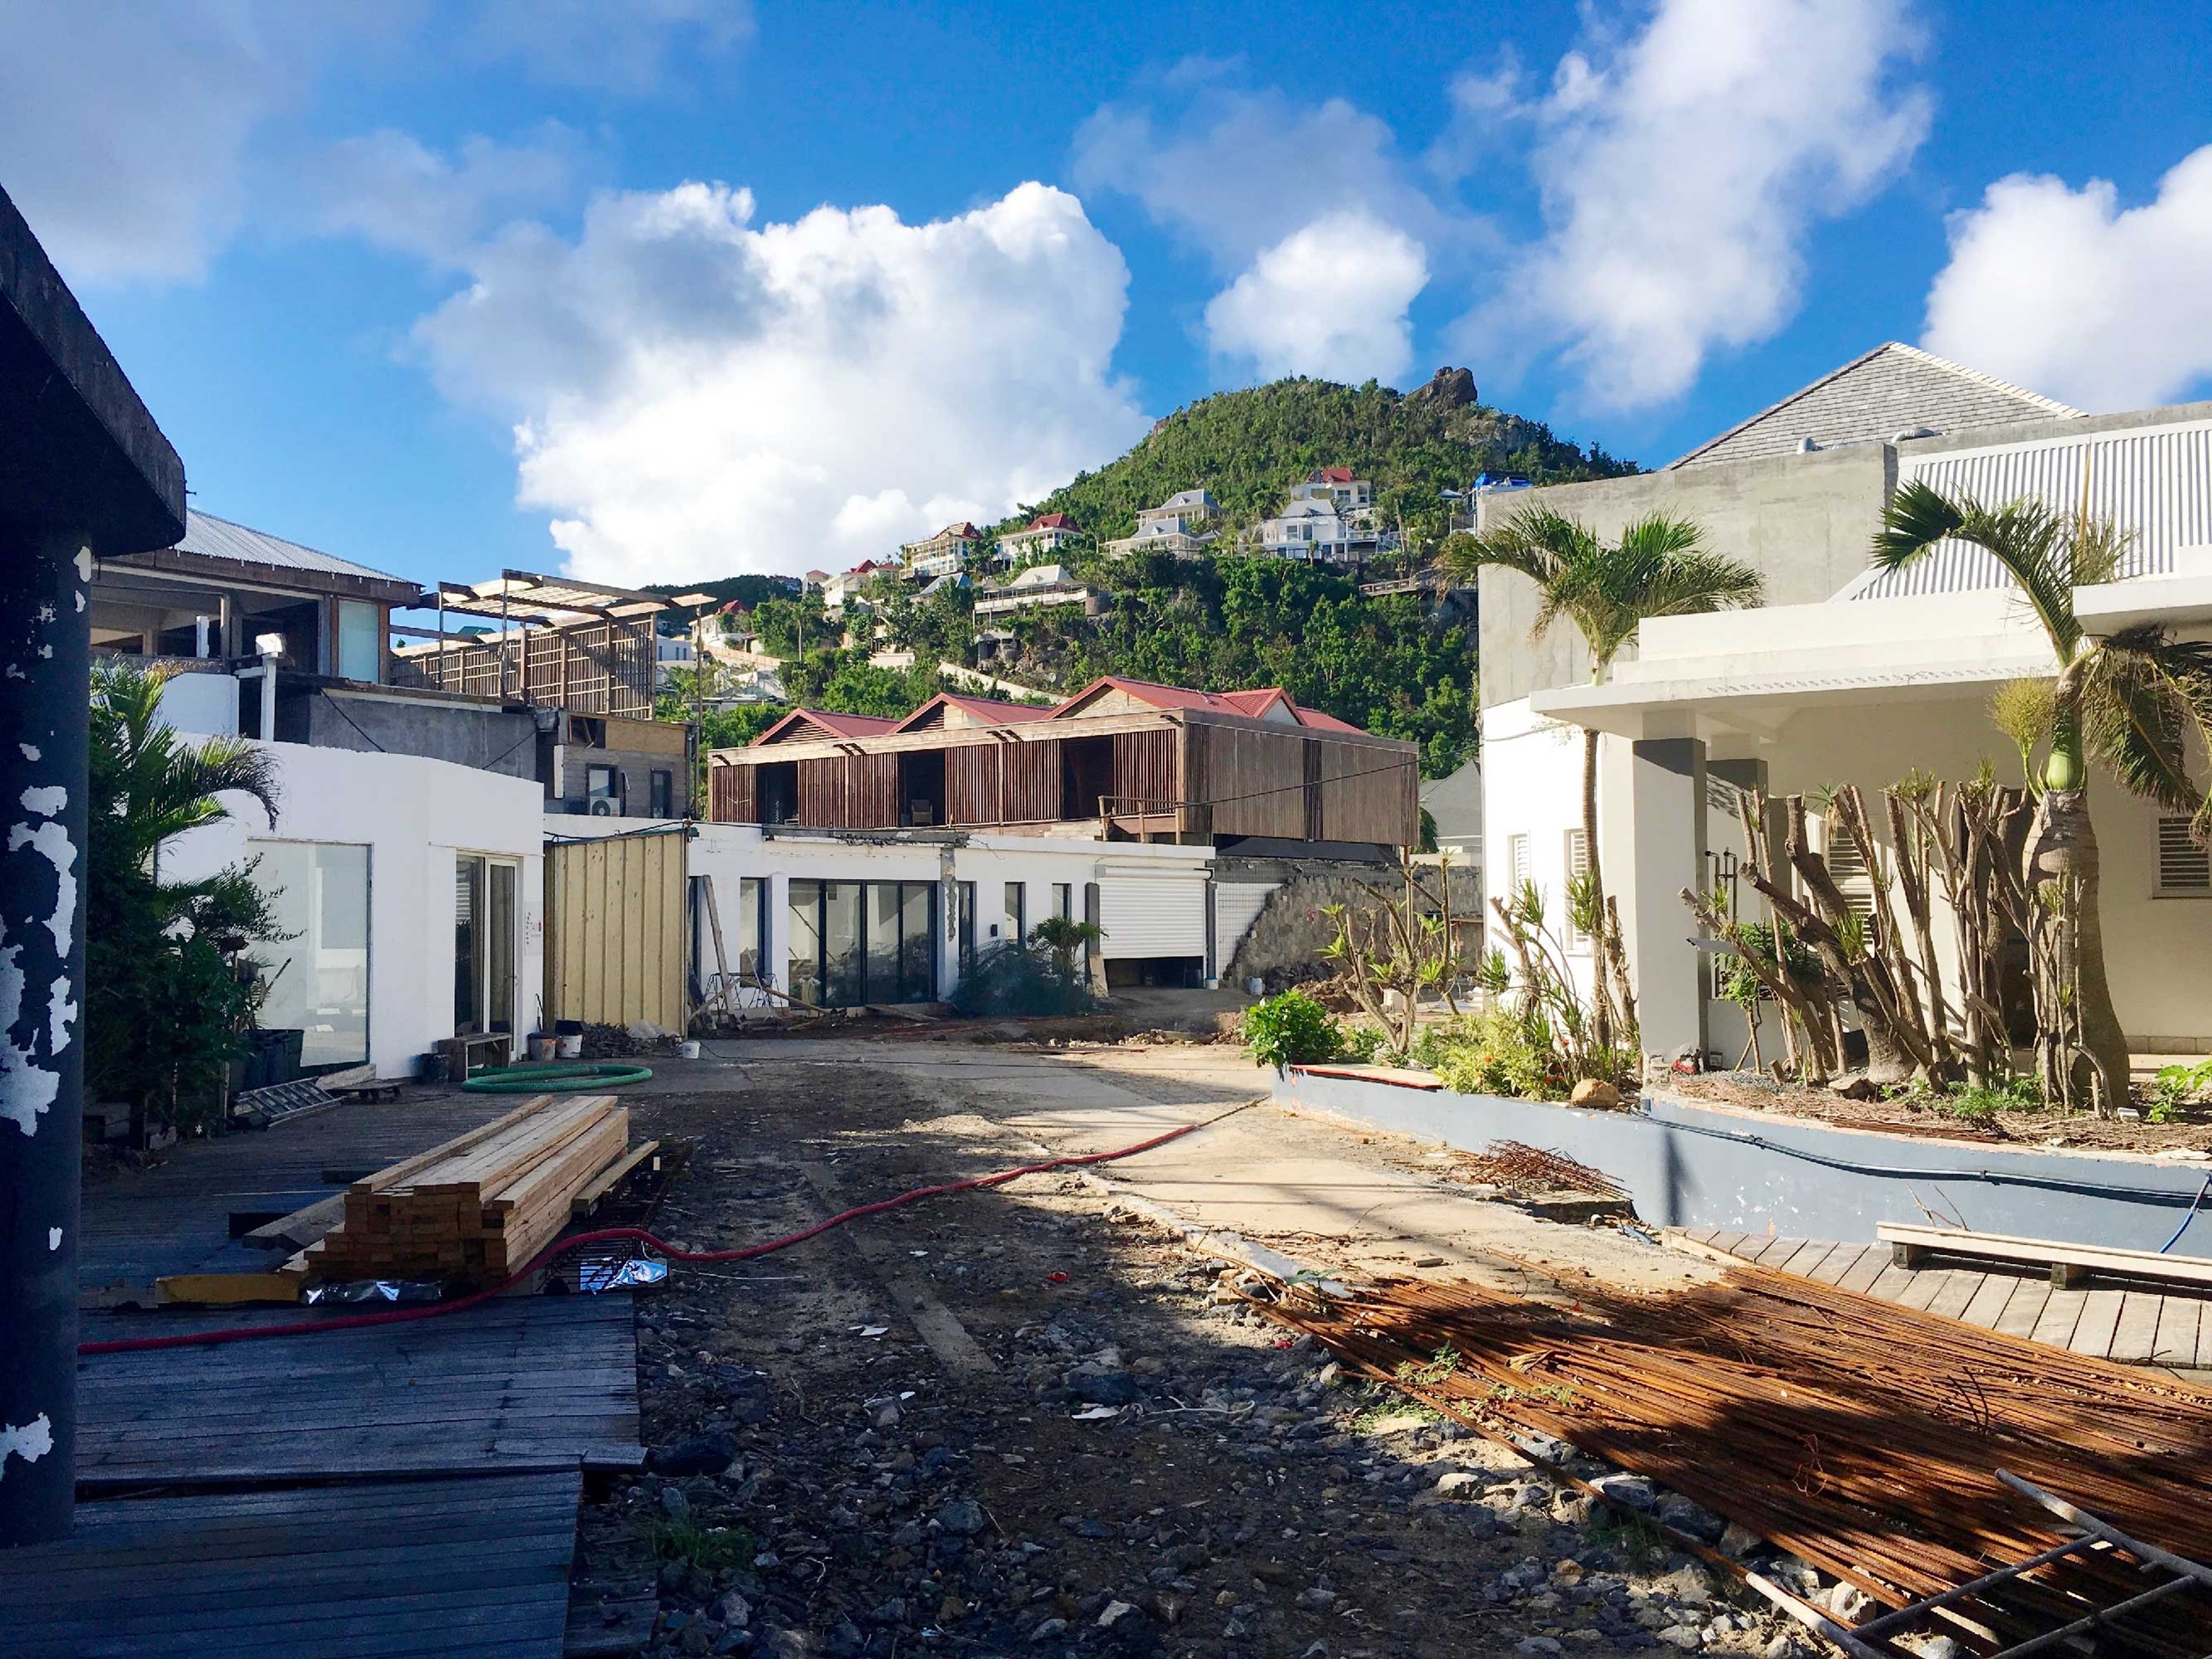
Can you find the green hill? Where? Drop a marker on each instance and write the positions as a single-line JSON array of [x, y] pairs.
[[1402, 665], [1248, 447]]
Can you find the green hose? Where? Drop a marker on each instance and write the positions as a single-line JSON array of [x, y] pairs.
[[548, 1080]]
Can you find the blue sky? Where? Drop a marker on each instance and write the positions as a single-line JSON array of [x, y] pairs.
[[686, 286]]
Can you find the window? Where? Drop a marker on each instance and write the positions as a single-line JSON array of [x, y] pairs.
[[1517, 860], [1017, 923], [1847, 866], [661, 789], [2184, 869], [1063, 900], [361, 642], [603, 791], [317, 979], [1577, 863], [963, 896], [854, 942], [752, 926]]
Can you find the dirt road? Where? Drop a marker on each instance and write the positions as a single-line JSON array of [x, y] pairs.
[[1030, 1421]]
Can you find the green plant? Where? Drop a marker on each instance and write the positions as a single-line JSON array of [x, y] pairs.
[[1497, 1052], [168, 997], [707, 1549], [1023, 980], [1362, 1043], [1291, 1029], [2177, 1087], [1069, 940]]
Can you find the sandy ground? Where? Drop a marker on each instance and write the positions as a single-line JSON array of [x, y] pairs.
[[1032, 1420]]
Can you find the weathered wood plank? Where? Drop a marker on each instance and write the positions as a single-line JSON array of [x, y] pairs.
[[2136, 1333], [2178, 1338]]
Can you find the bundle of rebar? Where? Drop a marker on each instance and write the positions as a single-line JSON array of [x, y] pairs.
[[1860, 1436], [1527, 1171]]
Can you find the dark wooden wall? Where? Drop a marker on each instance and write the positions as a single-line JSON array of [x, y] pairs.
[[1147, 765], [598, 668], [1254, 780], [1032, 782], [733, 794]]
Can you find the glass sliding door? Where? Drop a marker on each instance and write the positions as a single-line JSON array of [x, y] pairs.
[[856, 942], [844, 976], [487, 909], [468, 943], [317, 979]]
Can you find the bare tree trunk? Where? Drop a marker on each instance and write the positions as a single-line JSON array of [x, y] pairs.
[[1600, 960]]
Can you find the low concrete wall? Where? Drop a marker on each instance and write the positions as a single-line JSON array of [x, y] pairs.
[[1690, 1166]]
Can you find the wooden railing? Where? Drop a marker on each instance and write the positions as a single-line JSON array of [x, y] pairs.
[[1143, 818]]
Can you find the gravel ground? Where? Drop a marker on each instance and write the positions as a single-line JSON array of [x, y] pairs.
[[1106, 1454]]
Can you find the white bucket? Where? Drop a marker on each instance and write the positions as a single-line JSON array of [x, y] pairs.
[[572, 1048], [689, 1050]]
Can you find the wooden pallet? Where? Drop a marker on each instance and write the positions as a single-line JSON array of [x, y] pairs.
[[480, 1206], [2070, 1264]]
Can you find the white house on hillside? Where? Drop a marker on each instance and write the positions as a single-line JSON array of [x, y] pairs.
[[1039, 586], [1042, 537], [1178, 526], [1845, 677], [1329, 517], [941, 553]]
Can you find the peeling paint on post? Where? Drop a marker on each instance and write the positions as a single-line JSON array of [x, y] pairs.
[[46, 638]]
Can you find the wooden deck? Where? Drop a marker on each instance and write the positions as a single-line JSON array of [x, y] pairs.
[[459, 1569], [403, 1490], [2134, 1326], [525, 1382]]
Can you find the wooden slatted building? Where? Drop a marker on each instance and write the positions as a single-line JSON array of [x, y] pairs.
[[1122, 760]]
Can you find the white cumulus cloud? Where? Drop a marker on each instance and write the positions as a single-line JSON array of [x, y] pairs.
[[391, 189], [1682, 171], [695, 394], [1306, 208], [2066, 291], [1328, 300]]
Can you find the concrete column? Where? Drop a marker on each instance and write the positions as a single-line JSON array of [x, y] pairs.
[[1662, 852], [45, 660]]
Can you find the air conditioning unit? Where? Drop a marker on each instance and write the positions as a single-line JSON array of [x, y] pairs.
[[603, 808]]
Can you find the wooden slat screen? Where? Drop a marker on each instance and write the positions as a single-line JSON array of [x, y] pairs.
[[1370, 793], [733, 794], [1256, 781], [1032, 787], [1145, 765], [602, 668], [822, 792], [972, 783], [871, 791]]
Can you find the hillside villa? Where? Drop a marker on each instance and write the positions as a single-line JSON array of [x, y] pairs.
[[1042, 537], [1329, 519], [1178, 527], [1845, 676], [942, 554]]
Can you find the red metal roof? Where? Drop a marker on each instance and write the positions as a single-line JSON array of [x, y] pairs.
[[843, 726], [1334, 475], [1253, 703], [1052, 521], [992, 711]]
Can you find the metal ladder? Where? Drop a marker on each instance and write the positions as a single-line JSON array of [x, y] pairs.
[[1860, 1641]]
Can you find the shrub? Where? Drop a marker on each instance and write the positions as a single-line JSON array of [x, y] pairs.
[[1499, 1052], [1022, 980], [2177, 1087], [1291, 1029]]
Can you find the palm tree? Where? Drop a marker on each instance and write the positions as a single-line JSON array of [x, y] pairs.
[[2128, 699], [1659, 568]]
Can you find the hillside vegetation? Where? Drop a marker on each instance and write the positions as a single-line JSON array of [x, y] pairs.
[[1248, 447], [1399, 665]]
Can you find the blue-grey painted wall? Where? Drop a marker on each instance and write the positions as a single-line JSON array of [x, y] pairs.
[[1689, 1166]]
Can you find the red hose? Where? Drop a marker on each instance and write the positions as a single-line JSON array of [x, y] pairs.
[[562, 1247]]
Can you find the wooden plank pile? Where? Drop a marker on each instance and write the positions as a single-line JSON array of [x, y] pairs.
[[479, 1206]]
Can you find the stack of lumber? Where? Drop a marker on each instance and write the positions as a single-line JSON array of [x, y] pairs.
[[480, 1206]]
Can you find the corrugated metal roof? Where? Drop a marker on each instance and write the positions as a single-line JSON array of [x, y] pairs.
[[218, 538], [1894, 388], [2153, 481]]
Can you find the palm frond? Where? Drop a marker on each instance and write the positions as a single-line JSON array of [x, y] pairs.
[[2036, 547], [2143, 695]]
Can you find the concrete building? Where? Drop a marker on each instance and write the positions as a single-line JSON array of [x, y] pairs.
[[1845, 676], [1039, 586], [1183, 526]]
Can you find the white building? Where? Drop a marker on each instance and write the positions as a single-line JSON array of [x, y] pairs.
[[837, 590], [1043, 536], [1846, 676], [1180, 525], [1040, 585], [1329, 519], [941, 553]]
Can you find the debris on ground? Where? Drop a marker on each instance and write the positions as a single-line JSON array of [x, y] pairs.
[[1862, 1436]]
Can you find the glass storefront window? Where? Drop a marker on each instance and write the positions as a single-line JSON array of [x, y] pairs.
[[859, 942], [318, 979]]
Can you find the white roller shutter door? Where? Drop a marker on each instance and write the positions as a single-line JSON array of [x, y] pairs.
[[1236, 907], [1152, 916]]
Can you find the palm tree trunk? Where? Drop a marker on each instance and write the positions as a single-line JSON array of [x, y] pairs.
[[1601, 964], [2062, 848]]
